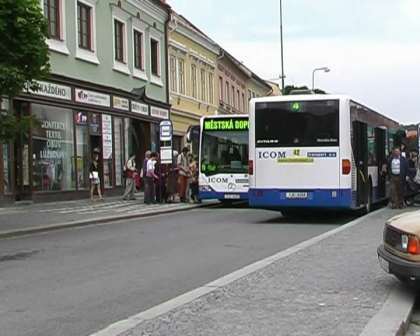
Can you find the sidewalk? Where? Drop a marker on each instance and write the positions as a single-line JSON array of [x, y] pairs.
[[26, 219], [329, 286]]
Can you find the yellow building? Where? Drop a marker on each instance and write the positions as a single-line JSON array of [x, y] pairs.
[[192, 73], [275, 89]]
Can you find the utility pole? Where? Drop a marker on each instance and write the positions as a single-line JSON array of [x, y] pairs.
[[281, 47]]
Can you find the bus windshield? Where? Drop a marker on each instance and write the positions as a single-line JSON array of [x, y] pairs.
[[297, 123], [224, 152]]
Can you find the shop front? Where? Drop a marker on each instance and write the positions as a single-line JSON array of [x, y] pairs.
[[77, 123]]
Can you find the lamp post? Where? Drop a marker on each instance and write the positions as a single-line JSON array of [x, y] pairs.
[[281, 47], [325, 69]]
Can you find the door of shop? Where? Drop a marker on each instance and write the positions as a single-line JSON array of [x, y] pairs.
[[23, 176]]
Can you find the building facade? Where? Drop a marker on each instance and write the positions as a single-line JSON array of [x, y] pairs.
[[256, 87], [232, 85], [192, 73], [107, 94]]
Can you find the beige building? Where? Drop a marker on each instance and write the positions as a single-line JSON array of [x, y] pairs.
[[275, 89]]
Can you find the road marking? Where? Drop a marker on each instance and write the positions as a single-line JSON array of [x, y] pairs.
[[123, 326]]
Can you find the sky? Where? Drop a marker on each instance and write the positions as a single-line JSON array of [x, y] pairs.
[[371, 46]]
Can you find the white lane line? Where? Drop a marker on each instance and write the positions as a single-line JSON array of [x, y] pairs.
[[122, 326]]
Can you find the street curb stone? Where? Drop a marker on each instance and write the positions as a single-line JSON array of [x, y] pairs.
[[394, 316], [98, 220]]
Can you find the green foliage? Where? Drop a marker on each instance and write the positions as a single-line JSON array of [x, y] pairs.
[[290, 88], [24, 57], [11, 126]]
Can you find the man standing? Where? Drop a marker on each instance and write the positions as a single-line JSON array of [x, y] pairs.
[[398, 175], [130, 170], [184, 172]]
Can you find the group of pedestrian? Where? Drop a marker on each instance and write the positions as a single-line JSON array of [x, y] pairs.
[[402, 168], [162, 182]]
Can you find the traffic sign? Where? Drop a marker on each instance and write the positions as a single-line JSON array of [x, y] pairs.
[[165, 130]]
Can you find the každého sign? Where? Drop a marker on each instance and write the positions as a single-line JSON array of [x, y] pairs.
[[233, 124]]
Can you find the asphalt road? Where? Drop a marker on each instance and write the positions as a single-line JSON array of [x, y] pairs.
[[76, 282]]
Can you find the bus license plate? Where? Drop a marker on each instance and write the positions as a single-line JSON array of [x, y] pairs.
[[384, 264], [232, 197], [299, 195]]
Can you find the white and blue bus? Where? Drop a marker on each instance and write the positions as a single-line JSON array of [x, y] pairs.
[[223, 158], [312, 151]]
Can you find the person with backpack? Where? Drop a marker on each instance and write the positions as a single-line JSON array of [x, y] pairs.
[[129, 170]]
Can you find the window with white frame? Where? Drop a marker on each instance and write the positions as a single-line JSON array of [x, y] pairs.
[[227, 97], [119, 39], [233, 102], [156, 41], [86, 31], [211, 91], [203, 84], [154, 56], [139, 50], [181, 76], [172, 73], [54, 13], [221, 95], [249, 94], [238, 97], [193, 81], [244, 107]]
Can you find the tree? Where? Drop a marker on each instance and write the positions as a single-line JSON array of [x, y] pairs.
[[24, 58], [290, 88]]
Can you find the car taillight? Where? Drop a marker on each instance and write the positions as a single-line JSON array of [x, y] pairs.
[[413, 245], [346, 166], [251, 167]]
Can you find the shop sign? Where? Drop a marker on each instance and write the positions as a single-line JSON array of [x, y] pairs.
[[92, 98], [52, 90], [120, 103], [159, 113], [139, 108]]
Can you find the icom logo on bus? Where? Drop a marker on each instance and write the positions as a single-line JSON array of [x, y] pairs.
[[271, 155], [218, 180]]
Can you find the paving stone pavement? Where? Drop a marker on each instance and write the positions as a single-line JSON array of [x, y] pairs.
[[333, 287]]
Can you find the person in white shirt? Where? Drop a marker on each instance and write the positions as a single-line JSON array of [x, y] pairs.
[[398, 175], [150, 179]]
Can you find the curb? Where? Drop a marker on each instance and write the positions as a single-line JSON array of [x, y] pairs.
[[394, 317], [99, 220]]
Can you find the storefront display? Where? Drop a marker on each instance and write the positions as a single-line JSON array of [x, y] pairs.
[[82, 150], [119, 163], [7, 172], [53, 149], [107, 147]]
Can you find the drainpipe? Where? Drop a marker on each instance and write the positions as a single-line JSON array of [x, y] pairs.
[[221, 56]]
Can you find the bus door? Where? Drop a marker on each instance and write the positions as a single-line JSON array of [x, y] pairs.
[[360, 152], [381, 156]]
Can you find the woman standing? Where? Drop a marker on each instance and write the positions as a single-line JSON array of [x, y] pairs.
[[95, 181]]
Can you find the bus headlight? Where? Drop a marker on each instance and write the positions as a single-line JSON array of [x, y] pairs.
[[204, 188]]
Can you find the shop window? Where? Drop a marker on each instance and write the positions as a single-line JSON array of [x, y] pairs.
[[107, 149], [82, 150], [7, 172], [119, 162], [53, 149]]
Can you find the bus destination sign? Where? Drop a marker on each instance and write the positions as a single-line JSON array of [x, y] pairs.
[[232, 124]]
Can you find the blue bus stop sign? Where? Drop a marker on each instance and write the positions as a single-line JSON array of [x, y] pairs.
[[165, 130]]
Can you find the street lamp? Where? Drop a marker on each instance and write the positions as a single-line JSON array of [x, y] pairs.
[[325, 69], [281, 47]]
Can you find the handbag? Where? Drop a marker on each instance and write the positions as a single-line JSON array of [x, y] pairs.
[[94, 175]]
